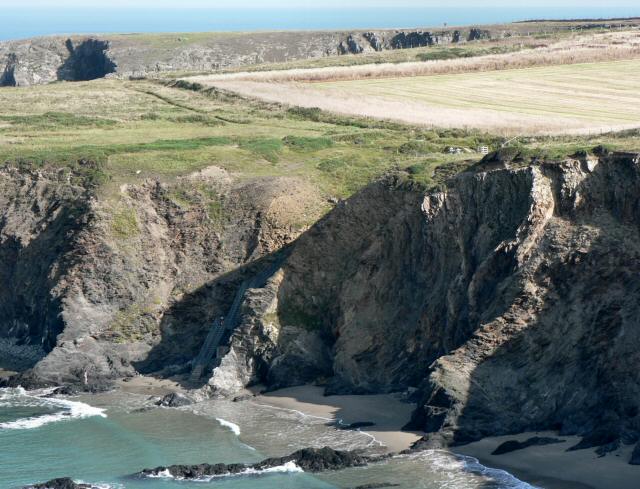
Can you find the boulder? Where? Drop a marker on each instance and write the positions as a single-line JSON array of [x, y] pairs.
[[635, 455], [175, 399], [513, 445], [61, 483]]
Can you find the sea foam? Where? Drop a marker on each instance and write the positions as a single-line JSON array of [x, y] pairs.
[[68, 409], [289, 467], [228, 424]]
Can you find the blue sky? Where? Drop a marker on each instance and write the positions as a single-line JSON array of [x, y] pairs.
[[320, 4]]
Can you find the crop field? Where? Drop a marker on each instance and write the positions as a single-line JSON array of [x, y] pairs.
[[583, 85], [585, 98]]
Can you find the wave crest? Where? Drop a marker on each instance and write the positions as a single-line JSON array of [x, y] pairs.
[[69, 410]]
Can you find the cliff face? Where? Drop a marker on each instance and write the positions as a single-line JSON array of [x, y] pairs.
[[44, 60], [510, 301], [96, 284]]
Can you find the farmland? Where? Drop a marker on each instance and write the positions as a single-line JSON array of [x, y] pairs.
[[586, 86]]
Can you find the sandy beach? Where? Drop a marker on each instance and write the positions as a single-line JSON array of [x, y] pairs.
[[387, 412], [549, 467], [151, 386], [552, 467]]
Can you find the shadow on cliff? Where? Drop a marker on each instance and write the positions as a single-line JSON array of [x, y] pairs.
[[185, 325], [30, 311], [87, 61], [565, 358]]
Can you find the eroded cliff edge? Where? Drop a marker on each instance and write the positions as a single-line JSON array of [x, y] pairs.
[[508, 301]]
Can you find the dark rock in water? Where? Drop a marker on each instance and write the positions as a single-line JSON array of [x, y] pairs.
[[244, 397], [513, 445], [377, 485], [62, 483], [308, 459], [357, 425], [65, 390], [431, 441], [175, 399], [635, 455]]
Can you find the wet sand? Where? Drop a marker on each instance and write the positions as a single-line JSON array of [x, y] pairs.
[[387, 412], [552, 467]]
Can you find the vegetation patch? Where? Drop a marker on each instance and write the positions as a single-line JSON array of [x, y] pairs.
[[57, 120], [299, 143], [124, 223], [134, 323], [266, 148]]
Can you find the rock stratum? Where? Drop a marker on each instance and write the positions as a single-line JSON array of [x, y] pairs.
[[508, 301]]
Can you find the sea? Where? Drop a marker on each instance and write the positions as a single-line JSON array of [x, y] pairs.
[[20, 23], [105, 439]]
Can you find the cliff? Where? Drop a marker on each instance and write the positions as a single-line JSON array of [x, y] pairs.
[[507, 302], [510, 301], [48, 59]]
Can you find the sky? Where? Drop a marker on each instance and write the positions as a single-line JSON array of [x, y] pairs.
[[305, 3]]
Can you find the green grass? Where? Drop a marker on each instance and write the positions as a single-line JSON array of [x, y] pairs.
[[266, 148], [161, 137]]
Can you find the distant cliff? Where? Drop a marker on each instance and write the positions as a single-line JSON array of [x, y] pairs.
[[48, 59]]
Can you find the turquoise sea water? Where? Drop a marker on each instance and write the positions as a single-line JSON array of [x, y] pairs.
[[103, 439], [18, 23]]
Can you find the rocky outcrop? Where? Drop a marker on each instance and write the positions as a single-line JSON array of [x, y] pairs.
[[108, 287], [307, 459], [8, 76], [175, 399], [505, 300], [476, 34], [635, 455], [61, 483], [514, 445]]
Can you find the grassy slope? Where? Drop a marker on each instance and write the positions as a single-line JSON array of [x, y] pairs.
[[142, 129]]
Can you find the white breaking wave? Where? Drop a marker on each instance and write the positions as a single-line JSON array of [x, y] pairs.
[[456, 469], [228, 424], [289, 467], [70, 409]]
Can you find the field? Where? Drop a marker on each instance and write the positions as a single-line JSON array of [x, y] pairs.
[[135, 130], [589, 85], [115, 131]]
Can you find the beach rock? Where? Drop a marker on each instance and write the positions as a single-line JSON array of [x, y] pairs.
[[357, 425], [635, 455], [376, 485], [175, 399], [597, 438], [61, 483], [513, 445], [308, 459]]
